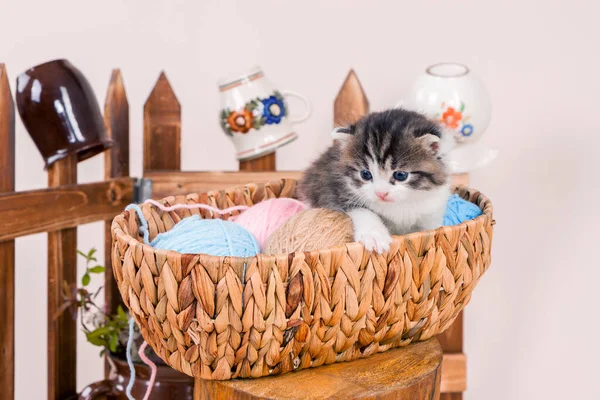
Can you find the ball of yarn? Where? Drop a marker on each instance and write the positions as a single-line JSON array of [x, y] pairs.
[[459, 210], [216, 237], [265, 217], [312, 229]]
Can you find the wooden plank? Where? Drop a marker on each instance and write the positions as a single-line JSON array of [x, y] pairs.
[[62, 267], [177, 183], [452, 339], [410, 372], [351, 102], [264, 163], [454, 373], [451, 396], [7, 248], [67, 206], [162, 128], [454, 378], [116, 165]]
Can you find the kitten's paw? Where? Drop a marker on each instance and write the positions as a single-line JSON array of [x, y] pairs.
[[377, 240], [370, 230]]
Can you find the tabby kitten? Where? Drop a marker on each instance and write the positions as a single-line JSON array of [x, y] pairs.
[[388, 172]]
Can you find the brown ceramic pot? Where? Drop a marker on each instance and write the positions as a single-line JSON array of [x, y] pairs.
[[60, 111], [169, 384]]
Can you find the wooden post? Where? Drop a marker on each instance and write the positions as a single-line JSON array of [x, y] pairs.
[[7, 248], [62, 267], [116, 165], [162, 128], [351, 102], [260, 164]]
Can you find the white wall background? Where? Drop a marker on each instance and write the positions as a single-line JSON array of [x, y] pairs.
[[531, 326]]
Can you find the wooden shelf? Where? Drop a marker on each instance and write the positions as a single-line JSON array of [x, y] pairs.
[[67, 206]]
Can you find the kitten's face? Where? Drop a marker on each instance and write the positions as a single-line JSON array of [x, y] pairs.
[[391, 157]]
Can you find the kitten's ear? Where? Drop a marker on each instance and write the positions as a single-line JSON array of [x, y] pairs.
[[342, 133], [430, 142]]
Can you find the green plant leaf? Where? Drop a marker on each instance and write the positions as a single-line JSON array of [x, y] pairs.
[[95, 340], [103, 330], [121, 313], [85, 279], [89, 256], [98, 269], [462, 107], [113, 342]]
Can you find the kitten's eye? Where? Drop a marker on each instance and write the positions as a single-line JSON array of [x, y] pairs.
[[366, 175], [400, 176]]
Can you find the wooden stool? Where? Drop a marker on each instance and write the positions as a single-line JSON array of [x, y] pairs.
[[411, 372]]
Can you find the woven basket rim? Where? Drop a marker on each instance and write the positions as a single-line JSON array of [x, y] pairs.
[[486, 208]]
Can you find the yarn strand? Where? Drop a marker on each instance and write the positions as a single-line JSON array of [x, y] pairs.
[[193, 206], [143, 223], [146, 235], [153, 369], [130, 361]]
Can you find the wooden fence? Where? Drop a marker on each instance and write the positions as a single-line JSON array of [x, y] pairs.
[[64, 205]]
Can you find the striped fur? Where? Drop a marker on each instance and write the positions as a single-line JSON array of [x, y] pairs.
[[382, 143]]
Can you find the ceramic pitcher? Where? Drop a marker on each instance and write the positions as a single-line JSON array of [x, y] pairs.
[[452, 94], [256, 114]]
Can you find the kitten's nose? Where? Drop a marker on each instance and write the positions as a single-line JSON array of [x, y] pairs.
[[382, 195]]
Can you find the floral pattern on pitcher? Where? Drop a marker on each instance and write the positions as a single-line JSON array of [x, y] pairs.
[[455, 119], [255, 114]]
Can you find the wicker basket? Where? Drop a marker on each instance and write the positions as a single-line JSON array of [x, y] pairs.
[[227, 317]]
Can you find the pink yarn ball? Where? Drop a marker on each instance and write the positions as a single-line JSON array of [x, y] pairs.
[[265, 217]]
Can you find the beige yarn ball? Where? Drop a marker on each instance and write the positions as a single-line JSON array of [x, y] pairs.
[[312, 229]]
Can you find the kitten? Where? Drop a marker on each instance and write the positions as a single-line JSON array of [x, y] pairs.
[[388, 172]]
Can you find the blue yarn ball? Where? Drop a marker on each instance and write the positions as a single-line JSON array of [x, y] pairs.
[[216, 237], [459, 210]]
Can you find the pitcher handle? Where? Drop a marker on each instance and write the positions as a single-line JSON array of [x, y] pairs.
[[306, 102]]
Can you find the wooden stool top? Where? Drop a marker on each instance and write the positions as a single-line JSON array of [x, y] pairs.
[[411, 372]]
